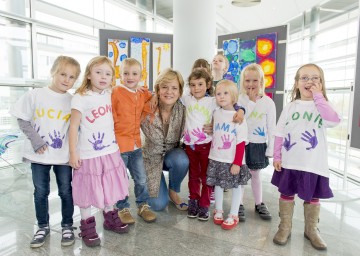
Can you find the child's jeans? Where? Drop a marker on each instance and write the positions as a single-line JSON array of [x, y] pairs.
[[41, 181]]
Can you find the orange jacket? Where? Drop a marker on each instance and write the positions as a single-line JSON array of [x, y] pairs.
[[126, 109]]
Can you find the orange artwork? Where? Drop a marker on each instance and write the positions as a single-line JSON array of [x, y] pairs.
[[117, 52], [140, 51]]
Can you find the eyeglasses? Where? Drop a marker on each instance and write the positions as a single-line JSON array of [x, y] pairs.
[[306, 79]]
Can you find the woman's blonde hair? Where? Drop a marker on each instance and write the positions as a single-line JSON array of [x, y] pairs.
[[61, 61], [231, 86], [166, 76], [256, 68], [86, 83], [295, 92], [202, 73]]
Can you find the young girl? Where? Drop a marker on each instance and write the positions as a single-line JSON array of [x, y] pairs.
[[220, 65], [300, 153], [43, 115], [226, 165], [261, 120], [204, 64], [100, 177]]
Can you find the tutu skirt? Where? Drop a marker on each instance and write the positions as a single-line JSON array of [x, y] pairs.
[[307, 185], [100, 181]]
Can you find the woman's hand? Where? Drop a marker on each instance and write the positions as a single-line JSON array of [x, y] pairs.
[[277, 166], [153, 102], [208, 129], [75, 161], [41, 150], [234, 169]]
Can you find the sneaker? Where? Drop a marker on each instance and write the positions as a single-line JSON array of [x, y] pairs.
[[68, 237], [203, 213], [125, 216], [263, 211], [212, 197], [193, 208], [145, 213], [40, 237], [241, 213]]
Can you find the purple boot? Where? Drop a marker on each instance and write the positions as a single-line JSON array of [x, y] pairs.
[[88, 232], [112, 222]]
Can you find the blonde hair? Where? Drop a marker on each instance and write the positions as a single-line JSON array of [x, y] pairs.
[[130, 62], [295, 92], [202, 73], [256, 68], [61, 61], [226, 61], [86, 83], [166, 76], [231, 86]]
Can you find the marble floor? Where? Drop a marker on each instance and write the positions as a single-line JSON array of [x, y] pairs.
[[175, 234]]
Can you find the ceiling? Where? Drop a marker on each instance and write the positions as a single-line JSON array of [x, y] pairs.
[[269, 13]]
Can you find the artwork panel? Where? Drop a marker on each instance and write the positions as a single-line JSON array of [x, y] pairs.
[[161, 58], [270, 95], [231, 49], [117, 52], [247, 53], [140, 50]]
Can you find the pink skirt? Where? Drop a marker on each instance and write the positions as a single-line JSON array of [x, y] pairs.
[[100, 181]]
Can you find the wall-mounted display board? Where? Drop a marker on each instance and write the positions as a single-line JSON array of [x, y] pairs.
[[355, 127], [267, 47], [153, 51]]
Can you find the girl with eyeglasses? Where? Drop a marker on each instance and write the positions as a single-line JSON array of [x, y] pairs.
[[300, 153]]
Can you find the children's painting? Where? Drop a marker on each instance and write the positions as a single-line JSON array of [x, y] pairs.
[[117, 52], [140, 50], [161, 58], [231, 51], [247, 54]]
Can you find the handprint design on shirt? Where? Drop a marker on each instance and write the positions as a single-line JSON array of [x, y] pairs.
[[259, 131], [312, 139], [97, 143], [38, 131], [199, 134], [187, 137], [287, 143], [56, 140], [226, 143]]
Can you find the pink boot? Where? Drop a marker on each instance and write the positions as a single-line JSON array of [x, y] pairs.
[[112, 222], [88, 232]]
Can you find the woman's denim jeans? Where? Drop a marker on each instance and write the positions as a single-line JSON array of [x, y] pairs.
[[41, 180], [176, 163]]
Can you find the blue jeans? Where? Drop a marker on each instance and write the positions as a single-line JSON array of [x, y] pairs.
[[41, 181], [133, 160], [176, 162]]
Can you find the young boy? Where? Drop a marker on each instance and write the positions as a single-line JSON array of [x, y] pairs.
[[127, 105]]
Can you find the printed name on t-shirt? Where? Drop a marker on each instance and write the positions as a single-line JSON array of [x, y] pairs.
[[256, 115], [306, 116], [51, 114], [203, 110], [224, 127], [99, 112]]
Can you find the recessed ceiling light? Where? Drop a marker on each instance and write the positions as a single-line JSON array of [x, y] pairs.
[[245, 3]]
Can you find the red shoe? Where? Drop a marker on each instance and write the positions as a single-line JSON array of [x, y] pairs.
[[218, 217], [230, 224]]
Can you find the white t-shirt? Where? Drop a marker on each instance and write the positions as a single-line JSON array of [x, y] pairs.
[[96, 134], [227, 135], [304, 138], [261, 120], [49, 114], [198, 113]]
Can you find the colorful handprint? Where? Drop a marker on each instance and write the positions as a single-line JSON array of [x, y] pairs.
[[199, 134], [287, 143], [97, 143], [259, 131], [187, 137], [312, 139], [56, 140], [226, 142]]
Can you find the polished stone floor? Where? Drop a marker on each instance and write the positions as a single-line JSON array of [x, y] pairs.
[[175, 234]]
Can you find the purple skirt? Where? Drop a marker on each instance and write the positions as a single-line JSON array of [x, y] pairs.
[[307, 185]]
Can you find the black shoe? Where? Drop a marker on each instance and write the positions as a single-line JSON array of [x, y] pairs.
[[203, 213], [68, 237], [263, 211], [193, 208], [40, 237], [241, 213]]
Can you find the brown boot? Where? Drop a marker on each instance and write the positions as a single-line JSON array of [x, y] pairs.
[[145, 213], [286, 213], [311, 213]]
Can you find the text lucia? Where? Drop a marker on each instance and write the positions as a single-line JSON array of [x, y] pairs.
[[51, 114], [99, 112]]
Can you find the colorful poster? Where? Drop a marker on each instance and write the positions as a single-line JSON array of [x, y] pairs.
[[117, 52], [247, 53], [231, 51], [161, 58], [266, 46], [140, 50]]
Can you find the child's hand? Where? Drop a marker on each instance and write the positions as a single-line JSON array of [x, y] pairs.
[[41, 150], [239, 116], [75, 161], [252, 93], [153, 102], [208, 129], [316, 87], [142, 88], [234, 169], [277, 166]]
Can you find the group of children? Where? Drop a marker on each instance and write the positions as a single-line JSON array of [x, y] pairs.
[[97, 133]]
